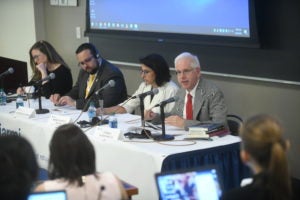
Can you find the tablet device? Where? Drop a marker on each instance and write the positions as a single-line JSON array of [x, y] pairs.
[[49, 195], [201, 183]]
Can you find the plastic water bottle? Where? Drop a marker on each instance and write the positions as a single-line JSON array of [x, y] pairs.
[[91, 111], [113, 121], [19, 101], [2, 97]]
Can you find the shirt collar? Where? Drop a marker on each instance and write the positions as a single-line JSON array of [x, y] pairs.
[[193, 91]]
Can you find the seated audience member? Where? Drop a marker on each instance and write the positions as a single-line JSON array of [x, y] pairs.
[[72, 168], [155, 73], [18, 168], [94, 74], [264, 151], [44, 60], [200, 101]]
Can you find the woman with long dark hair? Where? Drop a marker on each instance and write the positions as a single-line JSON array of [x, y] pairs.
[[72, 168]]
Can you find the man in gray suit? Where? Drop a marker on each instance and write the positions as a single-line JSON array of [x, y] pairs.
[[94, 74], [207, 104]]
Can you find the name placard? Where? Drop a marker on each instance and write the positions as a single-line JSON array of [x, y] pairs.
[[108, 133], [57, 120], [25, 112], [195, 132]]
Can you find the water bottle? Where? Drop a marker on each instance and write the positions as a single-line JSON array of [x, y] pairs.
[[91, 111], [2, 97], [113, 121], [19, 101]]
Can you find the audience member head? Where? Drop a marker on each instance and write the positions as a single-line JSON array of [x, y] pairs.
[[43, 52], [264, 150], [188, 70], [18, 167], [155, 69], [71, 154], [88, 57]]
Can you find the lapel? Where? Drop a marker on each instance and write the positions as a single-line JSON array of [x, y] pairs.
[[179, 105], [83, 83], [198, 100], [147, 99], [97, 78]]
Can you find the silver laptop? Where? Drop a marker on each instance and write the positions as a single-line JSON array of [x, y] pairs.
[[195, 184], [50, 195]]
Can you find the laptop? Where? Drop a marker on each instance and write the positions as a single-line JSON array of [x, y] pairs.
[[49, 195], [192, 184]]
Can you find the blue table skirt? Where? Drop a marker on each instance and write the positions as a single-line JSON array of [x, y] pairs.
[[226, 158]]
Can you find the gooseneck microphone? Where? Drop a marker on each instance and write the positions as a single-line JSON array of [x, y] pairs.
[[142, 95], [111, 83], [38, 83], [170, 100], [7, 72], [154, 91], [51, 76]]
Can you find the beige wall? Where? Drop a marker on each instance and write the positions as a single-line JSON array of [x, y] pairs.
[[17, 29], [244, 97], [60, 25]]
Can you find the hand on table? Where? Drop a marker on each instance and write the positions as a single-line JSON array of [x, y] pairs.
[[175, 120], [66, 100], [54, 98]]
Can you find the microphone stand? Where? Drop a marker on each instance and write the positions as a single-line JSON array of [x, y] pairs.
[[144, 132], [163, 136], [40, 110]]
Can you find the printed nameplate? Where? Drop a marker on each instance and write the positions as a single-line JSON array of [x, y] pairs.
[[25, 112], [195, 132], [57, 120], [108, 133]]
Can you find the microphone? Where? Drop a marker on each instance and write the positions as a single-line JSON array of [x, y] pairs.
[[49, 77], [170, 100], [151, 92], [111, 83], [7, 72]]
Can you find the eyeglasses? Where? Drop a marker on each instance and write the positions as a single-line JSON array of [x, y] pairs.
[[35, 57], [144, 72], [184, 72], [85, 61]]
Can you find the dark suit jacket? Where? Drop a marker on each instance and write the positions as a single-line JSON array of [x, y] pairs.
[[111, 96], [208, 107], [257, 190]]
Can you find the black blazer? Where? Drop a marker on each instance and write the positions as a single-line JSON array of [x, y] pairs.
[[111, 96], [257, 190]]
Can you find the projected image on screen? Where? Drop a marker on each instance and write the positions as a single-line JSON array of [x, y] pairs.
[[198, 17]]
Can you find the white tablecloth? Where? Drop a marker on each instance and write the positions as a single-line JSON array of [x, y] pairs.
[[134, 161]]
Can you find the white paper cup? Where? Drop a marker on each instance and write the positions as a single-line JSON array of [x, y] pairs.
[[29, 89]]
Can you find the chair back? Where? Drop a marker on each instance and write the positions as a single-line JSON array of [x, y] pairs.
[[234, 122]]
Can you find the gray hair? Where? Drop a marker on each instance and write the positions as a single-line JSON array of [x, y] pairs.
[[186, 55]]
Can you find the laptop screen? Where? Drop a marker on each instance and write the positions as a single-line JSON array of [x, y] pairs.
[[50, 195], [196, 184]]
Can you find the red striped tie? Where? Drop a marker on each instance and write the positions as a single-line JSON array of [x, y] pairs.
[[189, 107]]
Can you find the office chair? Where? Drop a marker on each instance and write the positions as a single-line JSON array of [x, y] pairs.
[[234, 122]]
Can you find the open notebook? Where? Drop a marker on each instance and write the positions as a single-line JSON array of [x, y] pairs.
[[50, 195], [195, 184]]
